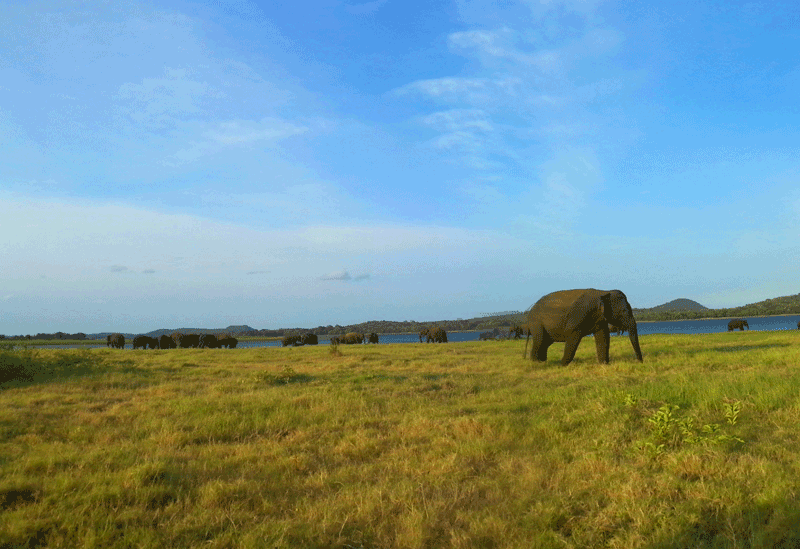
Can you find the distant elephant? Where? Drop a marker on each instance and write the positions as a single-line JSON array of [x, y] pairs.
[[568, 315], [144, 341], [739, 323], [208, 341], [228, 341], [352, 338], [437, 335], [293, 340], [309, 339], [116, 341], [515, 331], [166, 342], [372, 338], [336, 340], [190, 340], [616, 329]]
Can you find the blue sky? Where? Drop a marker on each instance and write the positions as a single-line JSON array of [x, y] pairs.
[[295, 164]]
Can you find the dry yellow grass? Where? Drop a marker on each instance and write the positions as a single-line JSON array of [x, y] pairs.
[[405, 446]]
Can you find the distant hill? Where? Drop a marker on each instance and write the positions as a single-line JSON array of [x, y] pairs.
[[785, 305], [676, 305]]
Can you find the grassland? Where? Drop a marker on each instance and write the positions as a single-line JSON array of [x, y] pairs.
[[404, 446]]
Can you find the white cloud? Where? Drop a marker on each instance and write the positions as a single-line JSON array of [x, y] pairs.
[[236, 133], [160, 102]]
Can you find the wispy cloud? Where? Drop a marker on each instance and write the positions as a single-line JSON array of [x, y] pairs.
[[118, 269], [257, 272]]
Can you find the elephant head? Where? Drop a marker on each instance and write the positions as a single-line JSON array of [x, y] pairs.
[[618, 312]]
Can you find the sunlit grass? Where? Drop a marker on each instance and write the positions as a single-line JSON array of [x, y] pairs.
[[405, 445]]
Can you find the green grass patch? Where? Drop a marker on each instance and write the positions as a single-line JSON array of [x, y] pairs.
[[404, 446]]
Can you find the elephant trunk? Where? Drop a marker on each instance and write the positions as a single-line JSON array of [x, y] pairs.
[[633, 333]]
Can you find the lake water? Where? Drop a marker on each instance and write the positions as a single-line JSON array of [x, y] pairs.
[[768, 323]]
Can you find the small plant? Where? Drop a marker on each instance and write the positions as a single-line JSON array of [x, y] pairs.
[[334, 350], [670, 431], [732, 410]]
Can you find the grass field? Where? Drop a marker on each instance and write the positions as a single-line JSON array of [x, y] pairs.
[[404, 446]]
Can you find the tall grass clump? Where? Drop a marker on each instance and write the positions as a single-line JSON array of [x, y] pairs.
[[405, 446]]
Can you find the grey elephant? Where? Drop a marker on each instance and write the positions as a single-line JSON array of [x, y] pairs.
[[227, 340], [208, 341], [293, 340], [352, 338], [166, 342], [189, 340], [437, 335], [372, 337], [144, 342], [117, 341], [568, 315], [739, 323]]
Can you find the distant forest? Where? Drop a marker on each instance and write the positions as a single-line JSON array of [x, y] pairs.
[[679, 309]]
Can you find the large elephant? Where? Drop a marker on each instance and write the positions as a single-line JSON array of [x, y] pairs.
[[208, 341], [166, 342], [568, 315], [293, 340], [189, 340], [372, 337], [144, 342], [739, 323], [117, 341], [309, 339], [227, 340], [437, 335], [351, 338]]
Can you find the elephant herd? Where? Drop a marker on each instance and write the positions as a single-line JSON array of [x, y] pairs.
[[174, 341], [297, 340], [353, 338]]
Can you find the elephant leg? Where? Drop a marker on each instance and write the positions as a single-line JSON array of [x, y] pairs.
[[539, 343], [570, 347], [601, 342]]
